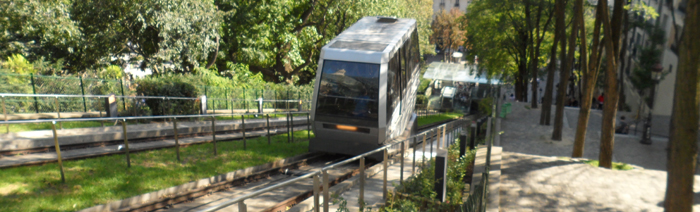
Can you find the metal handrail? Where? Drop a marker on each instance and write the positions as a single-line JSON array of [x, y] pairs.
[[135, 97], [358, 157], [138, 117]]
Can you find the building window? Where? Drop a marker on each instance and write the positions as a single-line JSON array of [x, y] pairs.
[[457, 3]]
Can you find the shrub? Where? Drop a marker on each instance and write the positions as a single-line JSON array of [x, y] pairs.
[[485, 105], [168, 86]]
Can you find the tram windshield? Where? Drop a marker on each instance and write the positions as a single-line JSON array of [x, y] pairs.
[[349, 89]]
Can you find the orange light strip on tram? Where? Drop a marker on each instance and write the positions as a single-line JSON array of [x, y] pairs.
[[344, 127]]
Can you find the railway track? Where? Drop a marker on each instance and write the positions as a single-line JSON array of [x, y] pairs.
[[279, 200]]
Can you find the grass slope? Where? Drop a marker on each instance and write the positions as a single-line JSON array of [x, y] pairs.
[[100, 180], [437, 118]]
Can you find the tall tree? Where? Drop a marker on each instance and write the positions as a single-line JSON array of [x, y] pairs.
[[567, 59], [545, 113], [684, 121], [612, 30], [447, 31]]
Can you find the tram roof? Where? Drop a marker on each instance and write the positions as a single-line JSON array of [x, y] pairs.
[[455, 72], [373, 33]]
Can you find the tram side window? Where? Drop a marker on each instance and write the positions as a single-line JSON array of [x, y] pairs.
[[415, 51], [392, 86]]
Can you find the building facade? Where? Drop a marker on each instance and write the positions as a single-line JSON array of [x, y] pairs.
[[670, 21]]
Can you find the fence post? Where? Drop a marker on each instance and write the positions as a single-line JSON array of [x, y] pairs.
[[422, 162], [213, 133], [58, 151], [317, 184], [288, 127], [177, 141], [413, 165], [4, 112], [438, 138], [267, 116], [402, 158], [36, 101], [245, 145], [242, 207], [326, 191], [58, 112], [82, 90], [441, 175], [361, 198], [121, 84], [126, 143], [385, 163]]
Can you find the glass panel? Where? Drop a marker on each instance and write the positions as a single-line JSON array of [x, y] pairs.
[[349, 89]]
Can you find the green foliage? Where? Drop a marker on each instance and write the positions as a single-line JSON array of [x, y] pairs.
[[421, 186], [112, 72], [424, 120], [17, 64], [616, 166], [169, 86], [486, 105]]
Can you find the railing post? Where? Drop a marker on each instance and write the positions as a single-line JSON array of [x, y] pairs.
[[177, 141], [402, 158], [422, 162], [58, 151], [267, 117], [438, 138], [121, 83], [472, 136], [126, 143], [444, 136], [242, 207], [385, 163], [58, 111], [317, 184], [213, 133], [326, 191], [82, 90], [308, 126], [36, 101], [4, 112], [413, 165], [245, 143], [361, 199]]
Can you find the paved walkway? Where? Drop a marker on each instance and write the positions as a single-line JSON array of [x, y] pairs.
[[537, 174]]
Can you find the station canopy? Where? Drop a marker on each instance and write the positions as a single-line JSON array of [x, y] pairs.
[[455, 72]]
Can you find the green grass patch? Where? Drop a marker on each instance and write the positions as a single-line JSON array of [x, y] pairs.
[[424, 120], [616, 165], [101, 180]]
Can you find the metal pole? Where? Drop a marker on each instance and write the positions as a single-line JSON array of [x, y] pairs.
[[361, 199], [58, 151], [326, 191], [58, 112], [36, 101], [291, 126], [415, 144], [245, 103], [82, 90], [177, 141], [402, 158], [386, 172], [242, 207], [267, 116], [317, 184], [126, 143], [121, 83], [4, 112], [213, 133], [439, 139], [245, 145], [422, 162], [288, 130]]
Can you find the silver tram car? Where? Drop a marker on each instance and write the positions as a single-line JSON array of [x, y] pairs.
[[365, 88]]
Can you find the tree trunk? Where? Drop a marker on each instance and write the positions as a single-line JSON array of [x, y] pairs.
[[566, 58], [623, 53], [545, 115], [611, 30], [684, 120]]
